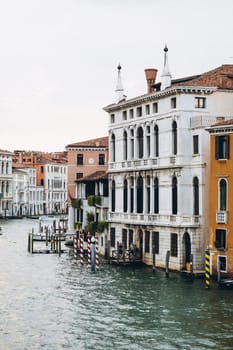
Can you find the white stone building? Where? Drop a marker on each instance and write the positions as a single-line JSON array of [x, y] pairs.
[[55, 187], [159, 164], [6, 179]]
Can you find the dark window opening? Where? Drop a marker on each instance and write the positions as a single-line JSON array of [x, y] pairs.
[[174, 244]]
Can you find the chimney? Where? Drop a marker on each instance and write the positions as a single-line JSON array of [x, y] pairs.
[[220, 119], [150, 78]]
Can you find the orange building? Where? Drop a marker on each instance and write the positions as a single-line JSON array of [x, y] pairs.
[[221, 199], [85, 158]]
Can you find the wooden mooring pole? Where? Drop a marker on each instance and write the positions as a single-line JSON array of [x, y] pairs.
[[153, 252]]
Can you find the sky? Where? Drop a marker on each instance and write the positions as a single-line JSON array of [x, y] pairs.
[[59, 58]]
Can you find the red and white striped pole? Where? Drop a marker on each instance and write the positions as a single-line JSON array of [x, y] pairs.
[[81, 248], [75, 247], [88, 250], [96, 251]]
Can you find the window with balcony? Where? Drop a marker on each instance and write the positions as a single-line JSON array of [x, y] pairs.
[[156, 195], [174, 245], [155, 242], [80, 159], [222, 147], [125, 146], [220, 241], [113, 148], [140, 195], [125, 196], [147, 241], [140, 141], [174, 196], [174, 137], [195, 196], [113, 196], [200, 102], [156, 132]]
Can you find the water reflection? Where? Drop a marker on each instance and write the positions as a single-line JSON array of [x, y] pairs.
[[48, 302]]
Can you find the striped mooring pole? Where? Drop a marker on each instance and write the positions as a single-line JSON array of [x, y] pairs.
[[75, 247], [81, 248], [88, 250], [96, 251], [207, 268]]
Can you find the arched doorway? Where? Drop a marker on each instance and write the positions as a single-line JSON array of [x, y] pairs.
[[187, 250]]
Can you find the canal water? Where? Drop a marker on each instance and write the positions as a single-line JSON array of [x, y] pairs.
[[48, 302]]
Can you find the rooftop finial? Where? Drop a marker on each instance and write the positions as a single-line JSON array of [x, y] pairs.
[[166, 75], [119, 88]]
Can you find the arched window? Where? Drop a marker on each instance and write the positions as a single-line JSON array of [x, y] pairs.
[[174, 138], [140, 195], [223, 195], [140, 142], [195, 196], [131, 194], [148, 194], [125, 146], [156, 132], [174, 195], [113, 195], [125, 196], [113, 148], [156, 195], [132, 143], [148, 141]]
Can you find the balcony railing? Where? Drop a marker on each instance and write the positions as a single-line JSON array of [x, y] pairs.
[[151, 219], [221, 217]]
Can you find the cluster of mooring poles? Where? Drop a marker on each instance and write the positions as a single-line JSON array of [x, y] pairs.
[[92, 250]]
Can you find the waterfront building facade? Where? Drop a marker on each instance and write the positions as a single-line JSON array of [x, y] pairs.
[[158, 165], [6, 183], [221, 200]]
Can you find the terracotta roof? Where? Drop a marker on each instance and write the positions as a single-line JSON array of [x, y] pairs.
[[99, 142], [4, 151], [221, 77], [97, 175], [223, 123]]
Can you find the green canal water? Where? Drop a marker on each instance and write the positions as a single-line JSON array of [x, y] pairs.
[[48, 302]]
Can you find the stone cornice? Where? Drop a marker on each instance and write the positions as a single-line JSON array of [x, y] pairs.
[[159, 94]]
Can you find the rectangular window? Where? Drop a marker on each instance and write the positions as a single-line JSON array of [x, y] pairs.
[[101, 159], [200, 102], [222, 263], [79, 176], [139, 111], [195, 144], [124, 238], [112, 118], [124, 115], [174, 244], [147, 241], [131, 113], [155, 242], [113, 237], [80, 159], [42, 169], [222, 147], [147, 109], [155, 107], [173, 102], [221, 241]]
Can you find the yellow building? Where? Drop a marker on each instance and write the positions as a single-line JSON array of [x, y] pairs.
[[221, 198]]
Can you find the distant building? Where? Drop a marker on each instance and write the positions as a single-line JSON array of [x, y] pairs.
[[6, 183], [158, 166], [221, 200], [84, 159]]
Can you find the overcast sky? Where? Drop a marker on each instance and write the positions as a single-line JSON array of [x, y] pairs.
[[58, 60]]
